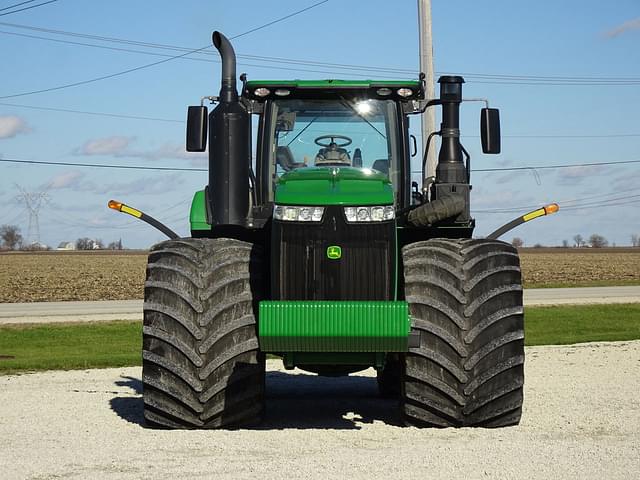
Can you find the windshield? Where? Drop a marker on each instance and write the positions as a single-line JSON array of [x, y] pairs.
[[327, 133]]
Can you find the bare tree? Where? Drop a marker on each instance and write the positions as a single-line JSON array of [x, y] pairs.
[[11, 237], [635, 240], [598, 241], [84, 244], [578, 240], [115, 245], [517, 242], [565, 243]]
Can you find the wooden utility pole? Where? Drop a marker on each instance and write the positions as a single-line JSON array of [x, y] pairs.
[[426, 67]]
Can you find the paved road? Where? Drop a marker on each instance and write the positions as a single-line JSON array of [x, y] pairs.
[[580, 420], [132, 309]]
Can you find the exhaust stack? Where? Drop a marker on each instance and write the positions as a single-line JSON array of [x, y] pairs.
[[229, 146], [228, 91]]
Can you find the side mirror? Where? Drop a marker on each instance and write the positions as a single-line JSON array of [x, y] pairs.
[[197, 129], [490, 130]]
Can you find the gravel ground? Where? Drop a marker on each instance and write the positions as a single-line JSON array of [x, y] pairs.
[[581, 420]]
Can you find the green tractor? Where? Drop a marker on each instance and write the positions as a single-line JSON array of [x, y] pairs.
[[311, 243]]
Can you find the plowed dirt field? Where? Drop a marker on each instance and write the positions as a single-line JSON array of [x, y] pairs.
[[105, 275]]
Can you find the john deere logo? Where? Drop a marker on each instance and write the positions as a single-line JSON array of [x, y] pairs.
[[334, 252]]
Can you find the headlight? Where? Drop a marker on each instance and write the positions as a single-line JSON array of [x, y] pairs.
[[370, 214], [297, 214]]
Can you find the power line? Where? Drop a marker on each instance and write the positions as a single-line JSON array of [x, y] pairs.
[[102, 165], [130, 70], [25, 8], [99, 114], [207, 60], [173, 120], [574, 204], [545, 167], [194, 169], [482, 76], [16, 5]]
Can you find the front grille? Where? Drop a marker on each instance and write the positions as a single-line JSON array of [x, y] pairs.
[[301, 269]]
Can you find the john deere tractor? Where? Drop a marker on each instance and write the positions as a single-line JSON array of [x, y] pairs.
[[310, 242]]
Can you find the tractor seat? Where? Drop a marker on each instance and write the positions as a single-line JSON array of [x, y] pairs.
[[333, 155], [285, 159], [381, 165]]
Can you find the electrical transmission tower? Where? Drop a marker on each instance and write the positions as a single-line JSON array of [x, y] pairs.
[[33, 202]]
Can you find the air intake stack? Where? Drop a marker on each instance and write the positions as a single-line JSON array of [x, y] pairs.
[[450, 167]]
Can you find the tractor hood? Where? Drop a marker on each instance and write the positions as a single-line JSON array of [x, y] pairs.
[[334, 186]]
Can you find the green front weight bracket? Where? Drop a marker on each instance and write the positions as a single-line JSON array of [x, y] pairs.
[[333, 326]]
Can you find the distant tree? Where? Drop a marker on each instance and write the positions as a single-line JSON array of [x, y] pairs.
[[84, 244], [598, 241], [115, 245], [578, 240], [537, 245], [635, 240], [565, 243], [517, 242], [97, 244], [11, 237]]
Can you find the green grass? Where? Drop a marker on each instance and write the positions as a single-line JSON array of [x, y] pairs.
[[584, 323], [589, 283], [70, 346], [118, 344]]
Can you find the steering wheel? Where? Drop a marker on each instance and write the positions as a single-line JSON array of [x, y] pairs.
[[347, 141]]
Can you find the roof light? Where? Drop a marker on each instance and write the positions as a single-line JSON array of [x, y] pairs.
[[261, 92], [383, 92], [404, 92], [282, 92]]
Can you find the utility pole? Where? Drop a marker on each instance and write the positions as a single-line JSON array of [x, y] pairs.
[[426, 67]]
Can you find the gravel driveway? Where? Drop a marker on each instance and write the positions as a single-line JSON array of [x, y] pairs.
[[581, 420]]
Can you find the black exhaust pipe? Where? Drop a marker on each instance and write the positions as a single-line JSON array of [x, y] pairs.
[[228, 91], [229, 146]]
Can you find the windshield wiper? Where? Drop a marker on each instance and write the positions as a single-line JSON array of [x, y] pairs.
[[347, 104], [302, 131]]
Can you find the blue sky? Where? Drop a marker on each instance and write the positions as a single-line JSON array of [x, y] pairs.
[[542, 124]]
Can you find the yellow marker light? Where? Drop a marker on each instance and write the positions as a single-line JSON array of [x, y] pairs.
[[551, 208], [121, 207]]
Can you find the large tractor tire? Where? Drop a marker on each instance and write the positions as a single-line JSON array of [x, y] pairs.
[[465, 300], [201, 366]]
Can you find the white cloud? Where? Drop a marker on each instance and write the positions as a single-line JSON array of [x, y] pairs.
[[65, 180], [143, 186], [10, 126], [623, 28], [168, 151], [120, 146], [116, 145], [576, 175]]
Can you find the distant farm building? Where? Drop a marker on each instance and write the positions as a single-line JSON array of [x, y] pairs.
[[66, 246]]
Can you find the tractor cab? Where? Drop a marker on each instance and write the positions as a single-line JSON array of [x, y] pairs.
[[332, 125]]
